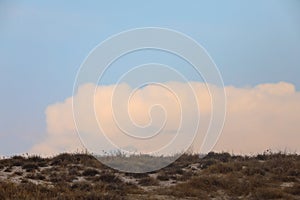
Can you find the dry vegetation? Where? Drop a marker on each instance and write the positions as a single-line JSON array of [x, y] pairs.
[[215, 176]]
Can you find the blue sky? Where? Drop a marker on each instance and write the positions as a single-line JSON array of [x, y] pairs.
[[43, 44]]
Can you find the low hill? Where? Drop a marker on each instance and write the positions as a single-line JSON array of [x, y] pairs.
[[214, 176]]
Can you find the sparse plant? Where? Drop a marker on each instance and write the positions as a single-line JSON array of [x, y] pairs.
[[29, 167], [90, 172], [148, 181], [72, 176]]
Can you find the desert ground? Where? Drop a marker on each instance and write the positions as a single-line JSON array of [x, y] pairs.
[[213, 176]]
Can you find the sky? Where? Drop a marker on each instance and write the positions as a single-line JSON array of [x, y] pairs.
[[42, 45]]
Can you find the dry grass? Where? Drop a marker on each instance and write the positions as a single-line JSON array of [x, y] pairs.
[[217, 175]]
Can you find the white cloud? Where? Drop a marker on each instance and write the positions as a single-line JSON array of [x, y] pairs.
[[263, 117], [259, 118]]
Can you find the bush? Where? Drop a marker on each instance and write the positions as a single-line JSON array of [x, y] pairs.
[[90, 172], [109, 178], [148, 181], [269, 193], [207, 162], [36, 158], [8, 169], [220, 168], [295, 190], [250, 171], [36, 176], [29, 167], [163, 177], [18, 173], [223, 157], [137, 175]]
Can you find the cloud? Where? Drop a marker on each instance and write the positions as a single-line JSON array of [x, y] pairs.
[[264, 117], [258, 118]]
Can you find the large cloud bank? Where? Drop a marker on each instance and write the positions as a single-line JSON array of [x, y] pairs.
[[258, 118]]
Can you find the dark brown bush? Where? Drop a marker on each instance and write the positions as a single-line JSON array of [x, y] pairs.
[[36, 176], [223, 157], [90, 172], [109, 178], [148, 181], [269, 193], [137, 175], [163, 176], [29, 167]]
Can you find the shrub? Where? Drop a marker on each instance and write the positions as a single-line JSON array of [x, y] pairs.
[[137, 175], [90, 172], [163, 177], [250, 171], [29, 167], [109, 178], [8, 169], [83, 186], [186, 176], [18, 173], [223, 157], [269, 193], [207, 162], [295, 190], [186, 159], [36, 176], [148, 181], [220, 168], [74, 171], [36, 158]]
